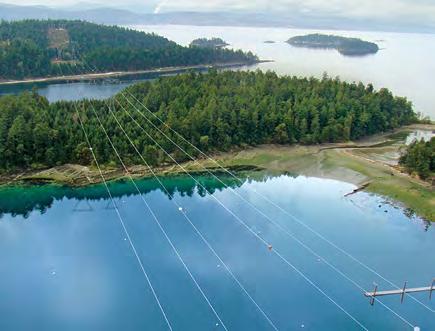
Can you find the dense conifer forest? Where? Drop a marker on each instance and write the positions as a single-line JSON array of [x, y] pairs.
[[34, 48], [215, 111], [419, 158], [209, 43]]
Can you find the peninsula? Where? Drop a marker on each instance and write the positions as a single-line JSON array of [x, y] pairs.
[[42, 49], [253, 120]]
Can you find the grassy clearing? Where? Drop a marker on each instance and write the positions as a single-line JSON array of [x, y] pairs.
[[58, 38], [412, 193], [341, 164]]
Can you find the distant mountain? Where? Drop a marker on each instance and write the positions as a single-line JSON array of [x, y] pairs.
[[297, 19], [96, 15], [108, 15]]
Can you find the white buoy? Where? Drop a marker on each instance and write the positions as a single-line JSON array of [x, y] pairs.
[[53, 273], [180, 209], [302, 326], [218, 265], [416, 328]]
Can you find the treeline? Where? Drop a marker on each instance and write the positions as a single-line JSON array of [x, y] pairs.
[[34, 48], [419, 158], [214, 111], [209, 43], [20, 200], [109, 59]]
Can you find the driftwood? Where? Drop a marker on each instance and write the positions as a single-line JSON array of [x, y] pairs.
[[361, 188]]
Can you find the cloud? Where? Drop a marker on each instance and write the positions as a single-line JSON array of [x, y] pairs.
[[160, 5]]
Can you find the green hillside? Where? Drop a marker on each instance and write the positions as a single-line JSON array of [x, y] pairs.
[[34, 48], [216, 111]]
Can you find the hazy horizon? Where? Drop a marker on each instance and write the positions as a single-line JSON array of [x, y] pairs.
[[385, 11]]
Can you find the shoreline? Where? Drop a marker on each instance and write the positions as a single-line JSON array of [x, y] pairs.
[[114, 74], [339, 161]]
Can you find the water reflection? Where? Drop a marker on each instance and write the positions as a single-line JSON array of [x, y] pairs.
[[65, 268], [22, 200]]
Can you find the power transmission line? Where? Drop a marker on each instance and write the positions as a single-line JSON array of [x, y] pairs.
[[300, 222], [194, 227], [261, 239], [133, 248], [264, 215], [161, 227], [196, 230], [273, 222]]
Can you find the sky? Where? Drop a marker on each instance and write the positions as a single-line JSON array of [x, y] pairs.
[[406, 10]]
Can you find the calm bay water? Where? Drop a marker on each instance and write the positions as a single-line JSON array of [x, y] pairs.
[[65, 264], [69, 91], [405, 63], [98, 89]]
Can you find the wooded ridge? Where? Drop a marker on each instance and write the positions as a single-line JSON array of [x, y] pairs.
[[214, 111], [34, 48]]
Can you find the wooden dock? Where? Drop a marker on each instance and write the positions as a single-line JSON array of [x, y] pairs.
[[395, 292], [401, 292]]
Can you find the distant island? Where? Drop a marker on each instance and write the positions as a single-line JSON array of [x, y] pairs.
[[344, 45], [209, 43], [269, 42], [54, 48]]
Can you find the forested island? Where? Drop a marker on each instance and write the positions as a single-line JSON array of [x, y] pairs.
[[35, 48], [344, 45], [209, 43], [215, 111]]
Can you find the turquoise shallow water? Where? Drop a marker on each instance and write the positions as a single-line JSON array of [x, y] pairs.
[[65, 263]]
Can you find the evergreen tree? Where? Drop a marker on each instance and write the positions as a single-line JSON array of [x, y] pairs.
[[214, 111]]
